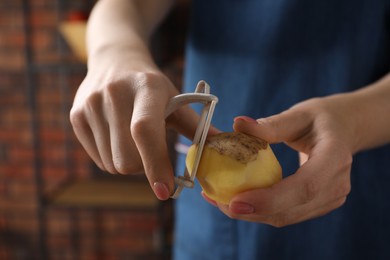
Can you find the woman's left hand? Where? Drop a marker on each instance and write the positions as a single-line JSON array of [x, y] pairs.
[[322, 130]]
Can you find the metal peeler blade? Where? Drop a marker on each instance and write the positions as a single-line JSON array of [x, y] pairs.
[[201, 95]]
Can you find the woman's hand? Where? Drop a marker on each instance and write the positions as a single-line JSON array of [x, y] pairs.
[[326, 132], [322, 130], [118, 114]]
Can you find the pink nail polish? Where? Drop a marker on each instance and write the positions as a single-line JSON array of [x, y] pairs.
[[241, 208], [161, 190], [246, 119]]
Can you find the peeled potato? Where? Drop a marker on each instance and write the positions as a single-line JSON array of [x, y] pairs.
[[232, 163]]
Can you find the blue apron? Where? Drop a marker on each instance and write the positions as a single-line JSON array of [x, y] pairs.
[[261, 57]]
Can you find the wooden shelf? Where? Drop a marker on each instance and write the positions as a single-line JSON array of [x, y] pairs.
[[106, 193]]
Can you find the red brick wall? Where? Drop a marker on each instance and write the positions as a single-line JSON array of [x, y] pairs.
[[56, 75], [17, 192]]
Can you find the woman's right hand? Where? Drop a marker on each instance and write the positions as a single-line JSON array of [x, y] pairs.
[[118, 115]]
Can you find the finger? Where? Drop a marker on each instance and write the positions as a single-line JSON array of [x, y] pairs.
[[294, 190], [317, 179], [101, 133], [185, 121], [85, 136], [95, 136], [125, 156], [284, 127], [292, 216], [149, 133], [303, 213]]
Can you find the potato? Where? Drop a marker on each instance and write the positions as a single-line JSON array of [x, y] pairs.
[[234, 162]]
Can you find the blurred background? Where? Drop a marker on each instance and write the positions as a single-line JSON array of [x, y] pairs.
[[54, 203]]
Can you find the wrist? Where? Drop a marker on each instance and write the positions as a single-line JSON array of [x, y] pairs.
[[372, 113], [116, 56]]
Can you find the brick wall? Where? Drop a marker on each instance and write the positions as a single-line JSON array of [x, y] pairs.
[[35, 138]]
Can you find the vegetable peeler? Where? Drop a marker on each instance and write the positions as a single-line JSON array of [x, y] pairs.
[[201, 95]]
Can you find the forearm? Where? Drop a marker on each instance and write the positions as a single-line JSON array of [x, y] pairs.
[[120, 29], [372, 113]]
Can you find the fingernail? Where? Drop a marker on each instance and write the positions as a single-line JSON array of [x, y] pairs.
[[241, 208], [161, 190], [246, 119]]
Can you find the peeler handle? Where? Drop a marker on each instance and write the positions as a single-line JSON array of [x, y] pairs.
[[201, 95]]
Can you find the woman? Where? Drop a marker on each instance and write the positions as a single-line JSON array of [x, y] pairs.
[[323, 63]]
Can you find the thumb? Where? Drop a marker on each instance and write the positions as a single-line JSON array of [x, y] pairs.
[[284, 127]]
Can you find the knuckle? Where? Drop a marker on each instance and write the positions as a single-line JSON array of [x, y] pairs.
[[112, 91], [141, 126], [309, 191], [77, 118], [79, 113], [92, 101], [152, 80], [117, 90], [91, 105], [146, 78]]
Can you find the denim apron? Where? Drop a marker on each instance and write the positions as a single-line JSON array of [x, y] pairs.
[[260, 57]]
